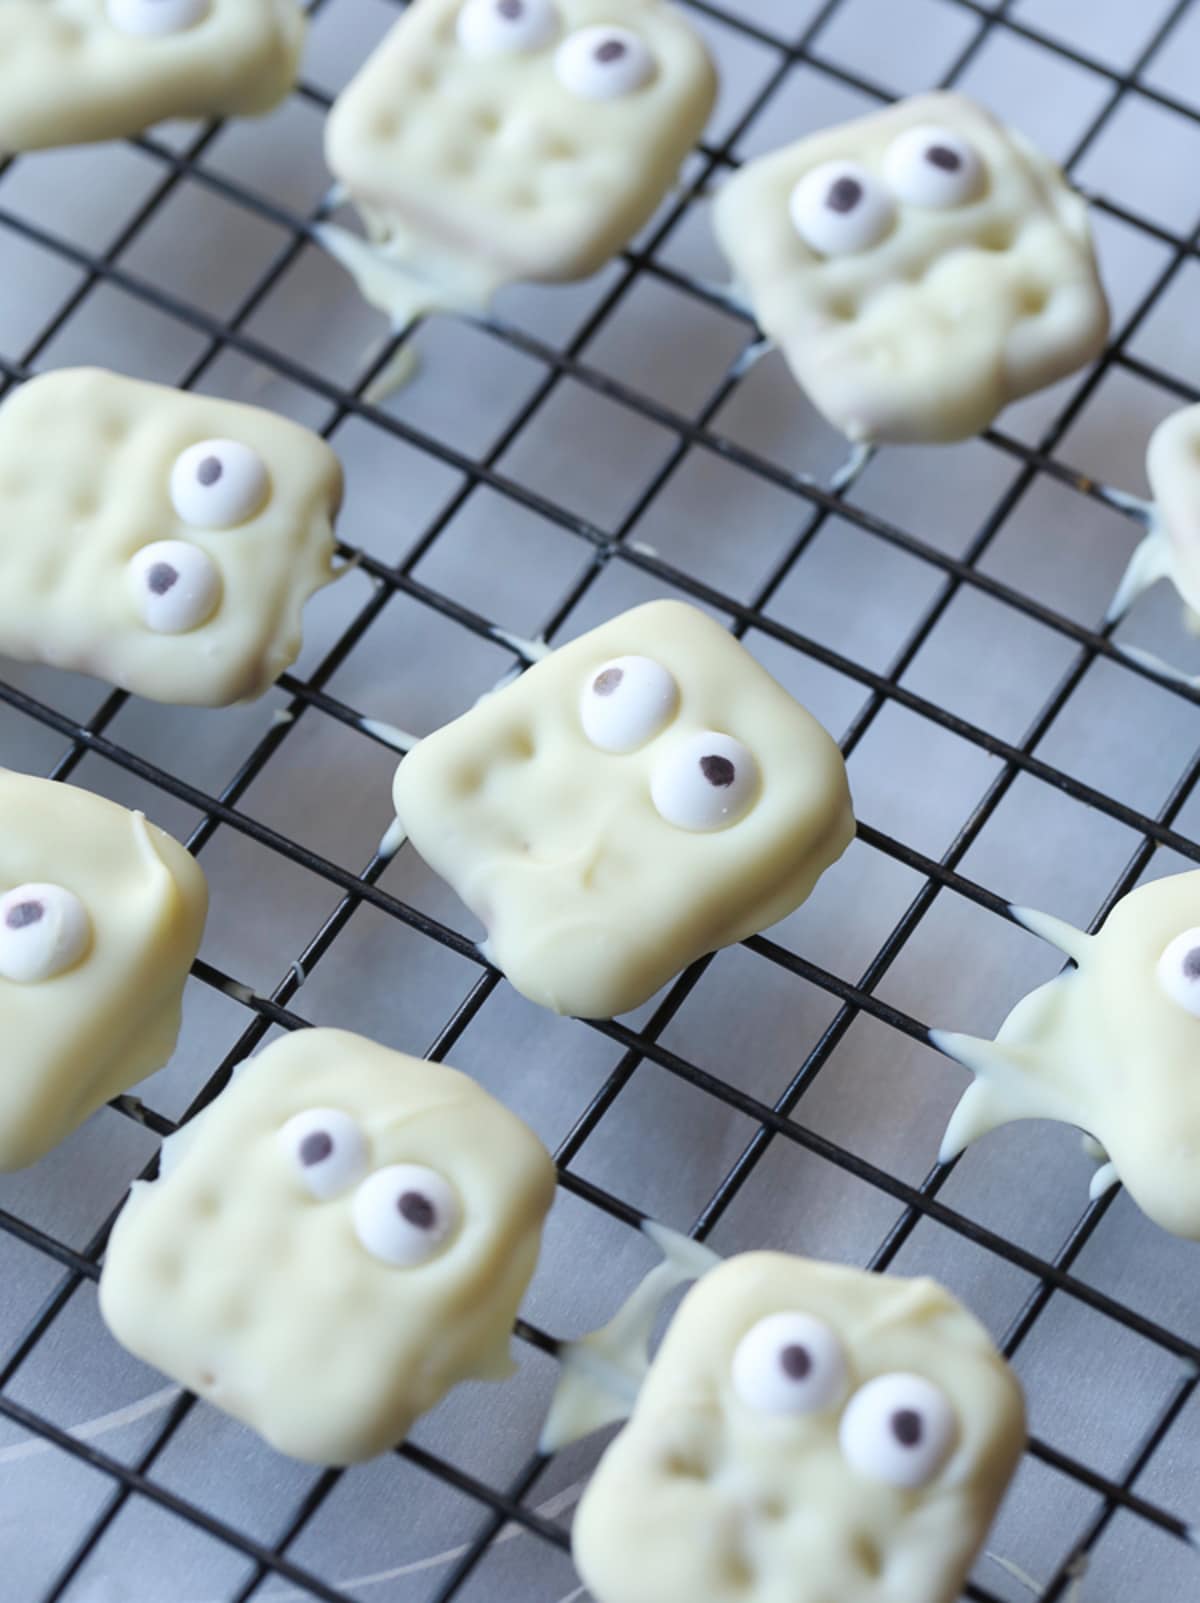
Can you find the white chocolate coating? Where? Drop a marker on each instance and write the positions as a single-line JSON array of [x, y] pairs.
[[1111, 1045], [1171, 549], [1173, 468], [475, 167], [713, 1492], [75, 71], [100, 1022], [930, 327], [86, 470], [296, 1312], [591, 899]]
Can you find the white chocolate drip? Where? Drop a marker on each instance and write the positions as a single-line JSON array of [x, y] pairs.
[[603, 1372], [397, 739]]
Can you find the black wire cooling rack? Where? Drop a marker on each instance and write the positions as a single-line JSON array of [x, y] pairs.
[[1052, 1275]]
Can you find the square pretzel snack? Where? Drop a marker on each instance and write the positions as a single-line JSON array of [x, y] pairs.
[[500, 140], [101, 916], [76, 71], [643, 796], [919, 268], [806, 1433], [160, 540], [336, 1241]]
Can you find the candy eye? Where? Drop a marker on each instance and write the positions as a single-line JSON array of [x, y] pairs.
[[404, 1214], [626, 702], [789, 1364], [705, 783], [44, 930], [1179, 971], [176, 586], [899, 1429], [506, 27], [840, 208], [328, 1150], [604, 63], [933, 167], [157, 17], [218, 484]]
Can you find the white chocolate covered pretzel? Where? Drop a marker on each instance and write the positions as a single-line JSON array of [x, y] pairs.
[[1171, 548], [74, 71], [163, 541], [1111, 1045], [335, 1242], [100, 918], [805, 1433], [643, 796], [919, 268], [488, 141]]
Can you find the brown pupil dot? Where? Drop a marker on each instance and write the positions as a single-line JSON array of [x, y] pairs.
[[512, 10], [315, 1148], [719, 771], [844, 195], [209, 471], [942, 156], [162, 577], [611, 50], [608, 681], [907, 1427], [1191, 964], [417, 1209], [796, 1362], [24, 914]]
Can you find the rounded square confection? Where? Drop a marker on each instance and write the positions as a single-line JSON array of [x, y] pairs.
[[592, 898], [956, 310], [1110, 1045], [86, 461], [252, 1283], [69, 75], [78, 1037], [493, 159], [725, 1486]]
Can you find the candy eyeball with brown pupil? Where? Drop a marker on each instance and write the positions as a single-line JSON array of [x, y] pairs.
[[604, 63], [219, 484], [899, 1430], [841, 208], [626, 702], [789, 1363], [706, 782], [405, 1214], [506, 27], [1179, 971], [44, 931], [176, 586], [326, 1150], [156, 18], [933, 167]]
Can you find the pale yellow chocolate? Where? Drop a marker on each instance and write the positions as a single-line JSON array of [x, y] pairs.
[[708, 1494], [1171, 548], [70, 75], [233, 1277], [592, 899], [953, 311], [83, 1035], [1111, 1046], [86, 462], [473, 170]]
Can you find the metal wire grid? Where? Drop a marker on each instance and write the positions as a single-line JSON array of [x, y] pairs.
[[815, 504]]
